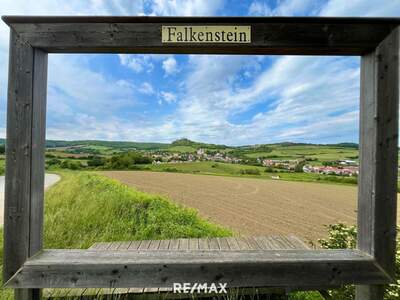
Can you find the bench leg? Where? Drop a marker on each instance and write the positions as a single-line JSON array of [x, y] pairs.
[[27, 294], [369, 292]]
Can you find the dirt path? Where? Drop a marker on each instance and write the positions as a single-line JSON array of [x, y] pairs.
[[253, 206], [50, 179]]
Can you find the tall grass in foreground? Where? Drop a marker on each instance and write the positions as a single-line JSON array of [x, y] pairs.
[[84, 208]]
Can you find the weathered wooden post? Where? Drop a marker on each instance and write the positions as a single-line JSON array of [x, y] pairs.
[[377, 197], [23, 221]]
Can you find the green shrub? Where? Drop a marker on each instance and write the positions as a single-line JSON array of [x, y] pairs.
[[169, 169], [299, 167], [249, 172], [96, 161], [338, 179], [53, 162], [72, 165], [269, 170]]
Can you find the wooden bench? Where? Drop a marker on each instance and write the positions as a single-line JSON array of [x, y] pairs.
[[272, 242]]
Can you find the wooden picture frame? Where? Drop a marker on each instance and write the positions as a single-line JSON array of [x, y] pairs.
[[28, 268]]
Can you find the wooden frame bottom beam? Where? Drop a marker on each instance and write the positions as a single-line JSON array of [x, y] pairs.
[[162, 268]]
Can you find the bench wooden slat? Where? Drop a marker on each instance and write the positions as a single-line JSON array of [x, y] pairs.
[[183, 244], [243, 245], [223, 244], [164, 244], [252, 243], [203, 244], [213, 244], [134, 245], [144, 245], [193, 244], [173, 244]]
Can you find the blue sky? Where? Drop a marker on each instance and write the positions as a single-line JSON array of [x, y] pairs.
[[232, 100]]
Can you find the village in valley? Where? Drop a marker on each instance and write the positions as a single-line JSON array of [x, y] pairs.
[[344, 167], [298, 161]]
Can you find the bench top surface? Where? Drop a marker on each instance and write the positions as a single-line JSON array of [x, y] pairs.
[[271, 242], [275, 242]]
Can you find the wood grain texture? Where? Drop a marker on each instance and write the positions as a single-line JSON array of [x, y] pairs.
[[378, 152], [18, 157], [38, 148], [299, 36], [160, 268], [278, 242], [24, 192], [377, 201]]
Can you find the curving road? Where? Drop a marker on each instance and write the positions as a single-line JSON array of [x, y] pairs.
[[50, 179]]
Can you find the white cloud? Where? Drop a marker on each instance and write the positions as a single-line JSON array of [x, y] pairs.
[[137, 63], [146, 88], [168, 97], [170, 66], [74, 88], [185, 7], [292, 95], [258, 8], [284, 8], [370, 8]]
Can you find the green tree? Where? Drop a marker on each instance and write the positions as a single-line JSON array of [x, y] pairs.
[[299, 167], [53, 161], [127, 160], [96, 161]]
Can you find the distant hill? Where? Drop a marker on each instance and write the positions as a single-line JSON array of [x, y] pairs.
[[179, 142], [111, 144], [347, 145], [292, 144], [188, 143]]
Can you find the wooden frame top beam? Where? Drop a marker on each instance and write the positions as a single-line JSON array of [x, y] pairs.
[[269, 35]]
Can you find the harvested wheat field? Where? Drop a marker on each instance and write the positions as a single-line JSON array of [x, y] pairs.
[[253, 206]]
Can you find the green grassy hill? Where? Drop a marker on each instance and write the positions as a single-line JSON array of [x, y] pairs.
[[305, 151]]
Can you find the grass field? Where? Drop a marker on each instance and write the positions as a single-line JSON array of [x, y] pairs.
[[317, 152], [182, 149], [226, 169]]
